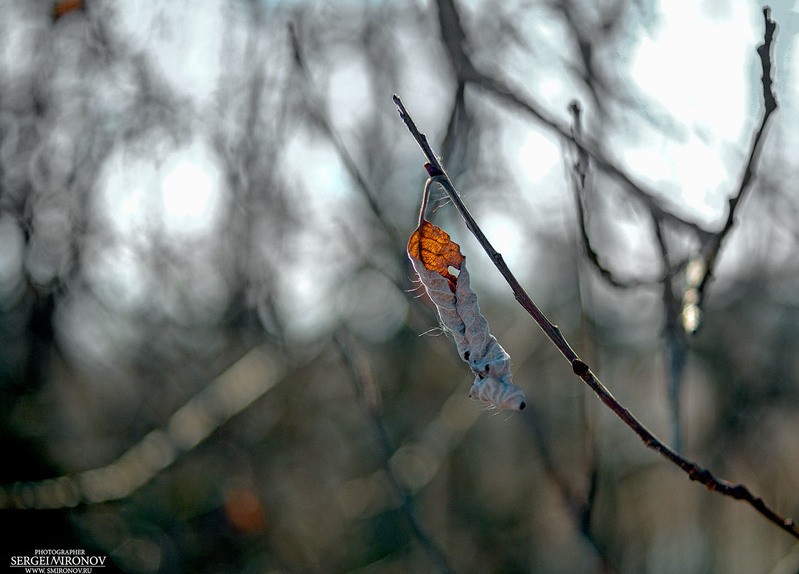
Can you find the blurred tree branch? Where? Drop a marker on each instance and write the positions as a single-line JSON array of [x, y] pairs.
[[688, 304], [714, 244], [323, 120], [468, 72], [580, 177], [366, 388], [580, 505], [676, 346]]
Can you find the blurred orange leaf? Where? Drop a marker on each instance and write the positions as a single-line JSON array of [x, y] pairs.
[[433, 247], [64, 7], [245, 511]]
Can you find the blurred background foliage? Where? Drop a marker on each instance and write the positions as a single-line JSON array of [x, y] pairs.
[[211, 333]]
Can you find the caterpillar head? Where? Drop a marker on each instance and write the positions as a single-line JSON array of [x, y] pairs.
[[498, 393]]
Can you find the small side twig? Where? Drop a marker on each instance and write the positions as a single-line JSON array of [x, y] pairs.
[[694, 471], [674, 335], [579, 176], [714, 244], [366, 388]]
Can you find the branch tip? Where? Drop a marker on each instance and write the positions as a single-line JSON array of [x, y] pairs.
[[764, 51], [400, 106]]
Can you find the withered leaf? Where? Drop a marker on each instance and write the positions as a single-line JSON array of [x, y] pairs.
[[433, 247], [432, 252]]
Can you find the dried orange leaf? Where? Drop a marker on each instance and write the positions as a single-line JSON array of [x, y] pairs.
[[432, 246], [460, 316]]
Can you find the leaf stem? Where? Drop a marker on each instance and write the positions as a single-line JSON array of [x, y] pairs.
[[425, 201]]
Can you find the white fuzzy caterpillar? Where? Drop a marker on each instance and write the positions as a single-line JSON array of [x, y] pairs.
[[460, 316]]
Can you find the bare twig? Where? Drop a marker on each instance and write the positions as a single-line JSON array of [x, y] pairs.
[[693, 470], [366, 388], [713, 246]]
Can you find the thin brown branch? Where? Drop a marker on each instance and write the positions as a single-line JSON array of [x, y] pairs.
[[693, 470], [714, 245], [365, 386]]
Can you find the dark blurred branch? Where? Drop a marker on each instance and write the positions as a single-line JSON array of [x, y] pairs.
[[715, 242], [466, 71], [579, 505], [648, 198], [580, 181], [458, 131], [693, 470], [584, 45], [674, 335], [227, 395], [689, 308], [322, 119], [368, 391]]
